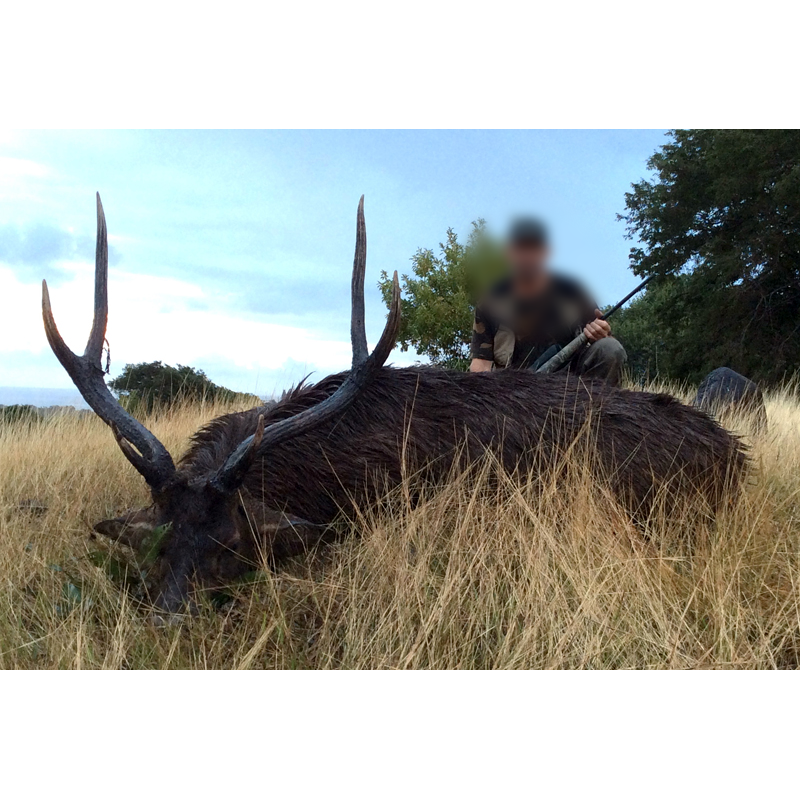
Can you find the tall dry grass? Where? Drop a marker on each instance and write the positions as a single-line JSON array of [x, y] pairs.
[[478, 574]]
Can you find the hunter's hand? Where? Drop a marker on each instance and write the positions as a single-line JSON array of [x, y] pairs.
[[598, 328]]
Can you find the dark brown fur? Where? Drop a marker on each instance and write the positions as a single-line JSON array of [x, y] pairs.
[[642, 439]]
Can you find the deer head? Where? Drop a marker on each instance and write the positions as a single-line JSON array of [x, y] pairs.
[[199, 533]]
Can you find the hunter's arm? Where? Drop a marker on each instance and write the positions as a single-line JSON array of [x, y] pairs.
[[480, 365], [594, 328], [482, 348]]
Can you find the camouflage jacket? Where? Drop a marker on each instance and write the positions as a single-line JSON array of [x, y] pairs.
[[514, 332]]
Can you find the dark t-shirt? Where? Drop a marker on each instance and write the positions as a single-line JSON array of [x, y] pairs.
[[514, 332]]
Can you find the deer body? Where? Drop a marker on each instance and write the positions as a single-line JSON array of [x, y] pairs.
[[268, 482], [424, 416]]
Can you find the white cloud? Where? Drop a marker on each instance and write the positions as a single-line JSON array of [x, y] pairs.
[[21, 168], [160, 318]]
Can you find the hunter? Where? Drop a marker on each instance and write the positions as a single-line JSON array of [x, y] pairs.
[[528, 316]]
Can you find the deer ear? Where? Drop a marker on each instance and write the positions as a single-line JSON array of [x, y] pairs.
[[289, 535], [129, 529]]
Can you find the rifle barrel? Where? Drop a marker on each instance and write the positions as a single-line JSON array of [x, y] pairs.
[[627, 297]]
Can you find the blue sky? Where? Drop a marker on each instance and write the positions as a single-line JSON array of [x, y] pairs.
[[231, 251]]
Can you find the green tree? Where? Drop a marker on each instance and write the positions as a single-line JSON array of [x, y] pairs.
[[147, 386], [719, 222], [648, 341], [438, 298]]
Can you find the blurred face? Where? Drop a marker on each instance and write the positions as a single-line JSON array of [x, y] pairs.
[[528, 260]]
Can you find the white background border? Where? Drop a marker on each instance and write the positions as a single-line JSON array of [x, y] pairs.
[[346, 64]]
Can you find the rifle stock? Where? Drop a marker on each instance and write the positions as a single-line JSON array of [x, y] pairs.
[[564, 354]]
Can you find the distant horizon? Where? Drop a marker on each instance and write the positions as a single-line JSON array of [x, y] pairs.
[[41, 397], [45, 397]]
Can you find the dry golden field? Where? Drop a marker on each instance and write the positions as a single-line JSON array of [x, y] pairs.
[[514, 577]]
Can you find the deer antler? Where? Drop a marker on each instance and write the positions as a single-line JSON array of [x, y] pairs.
[[152, 459], [362, 371], [358, 335]]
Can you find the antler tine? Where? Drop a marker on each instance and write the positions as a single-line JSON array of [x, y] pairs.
[[389, 336], [152, 460], [360, 375], [94, 346], [358, 334]]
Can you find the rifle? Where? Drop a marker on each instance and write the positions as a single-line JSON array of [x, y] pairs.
[[569, 350]]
